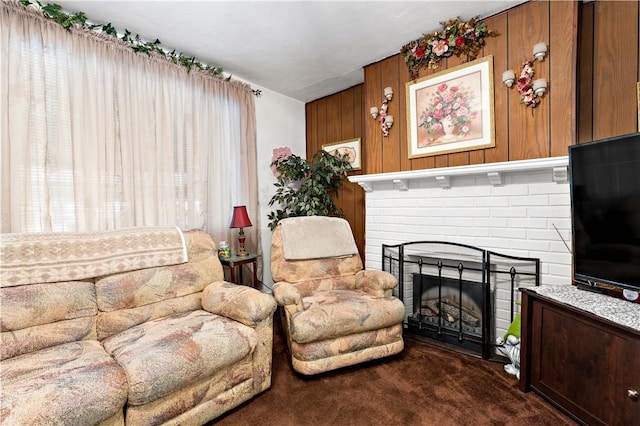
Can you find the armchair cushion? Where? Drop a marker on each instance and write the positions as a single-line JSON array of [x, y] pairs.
[[343, 346], [336, 313], [294, 271]]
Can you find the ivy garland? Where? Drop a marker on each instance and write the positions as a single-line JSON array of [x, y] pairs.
[[457, 38], [79, 19]]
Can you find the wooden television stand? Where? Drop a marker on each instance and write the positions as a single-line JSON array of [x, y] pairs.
[[581, 351]]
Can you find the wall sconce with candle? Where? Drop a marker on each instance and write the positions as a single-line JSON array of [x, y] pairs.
[[530, 90], [386, 121], [540, 51], [539, 86], [508, 78]]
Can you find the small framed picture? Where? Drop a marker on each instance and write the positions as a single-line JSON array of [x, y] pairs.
[[350, 148]]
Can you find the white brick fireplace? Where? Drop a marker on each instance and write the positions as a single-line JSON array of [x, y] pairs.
[[517, 208]]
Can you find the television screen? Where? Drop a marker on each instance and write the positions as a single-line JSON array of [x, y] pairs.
[[605, 211]]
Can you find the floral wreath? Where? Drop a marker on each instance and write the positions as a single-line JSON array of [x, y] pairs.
[[453, 102], [457, 38], [525, 86]]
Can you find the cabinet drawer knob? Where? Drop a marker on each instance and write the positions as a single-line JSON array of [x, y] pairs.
[[633, 394]]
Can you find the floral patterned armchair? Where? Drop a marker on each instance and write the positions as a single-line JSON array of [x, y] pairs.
[[335, 314]]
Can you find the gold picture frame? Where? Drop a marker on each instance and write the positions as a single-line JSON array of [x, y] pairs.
[[351, 148], [452, 111]]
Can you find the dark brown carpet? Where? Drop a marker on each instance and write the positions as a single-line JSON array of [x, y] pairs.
[[424, 385]]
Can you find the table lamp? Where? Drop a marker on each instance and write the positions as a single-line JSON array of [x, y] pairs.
[[240, 220]]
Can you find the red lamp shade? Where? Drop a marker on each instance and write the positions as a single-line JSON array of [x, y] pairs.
[[240, 220], [240, 217]]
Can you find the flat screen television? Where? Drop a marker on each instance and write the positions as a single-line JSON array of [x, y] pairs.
[[605, 212]]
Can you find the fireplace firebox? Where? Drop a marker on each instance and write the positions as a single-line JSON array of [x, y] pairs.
[[459, 294], [448, 309]]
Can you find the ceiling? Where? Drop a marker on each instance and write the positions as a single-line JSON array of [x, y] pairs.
[[302, 49]]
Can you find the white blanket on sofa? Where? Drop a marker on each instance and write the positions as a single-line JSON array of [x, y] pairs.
[[70, 256]]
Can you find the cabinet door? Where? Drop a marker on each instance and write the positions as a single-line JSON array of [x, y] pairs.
[[580, 362], [629, 380]]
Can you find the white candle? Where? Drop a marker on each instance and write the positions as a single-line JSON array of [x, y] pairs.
[[508, 77], [539, 50], [539, 86]]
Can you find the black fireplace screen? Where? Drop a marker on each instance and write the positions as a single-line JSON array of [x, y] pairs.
[[459, 294]]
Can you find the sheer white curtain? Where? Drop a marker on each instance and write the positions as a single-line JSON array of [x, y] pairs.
[[96, 136]]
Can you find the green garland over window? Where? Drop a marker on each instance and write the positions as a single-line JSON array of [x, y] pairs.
[[457, 38], [79, 19]]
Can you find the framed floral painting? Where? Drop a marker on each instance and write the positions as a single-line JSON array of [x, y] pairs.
[[350, 148], [451, 111]]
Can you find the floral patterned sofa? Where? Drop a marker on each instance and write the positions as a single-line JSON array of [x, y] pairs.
[[126, 327]]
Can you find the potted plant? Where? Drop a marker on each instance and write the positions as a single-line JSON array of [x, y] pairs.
[[306, 188]]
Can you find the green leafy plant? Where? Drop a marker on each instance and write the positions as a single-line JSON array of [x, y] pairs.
[[306, 188]]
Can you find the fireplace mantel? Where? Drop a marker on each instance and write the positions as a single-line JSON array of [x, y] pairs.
[[557, 167]]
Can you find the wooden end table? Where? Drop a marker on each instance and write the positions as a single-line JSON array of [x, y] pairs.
[[238, 261]]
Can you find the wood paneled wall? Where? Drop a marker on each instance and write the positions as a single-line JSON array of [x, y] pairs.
[[608, 69], [592, 68], [332, 119], [520, 132]]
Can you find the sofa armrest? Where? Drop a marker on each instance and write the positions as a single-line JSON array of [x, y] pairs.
[[376, 283], [244, 304], [288, 296]]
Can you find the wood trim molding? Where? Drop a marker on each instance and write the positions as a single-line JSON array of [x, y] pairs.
[[495, 172]]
